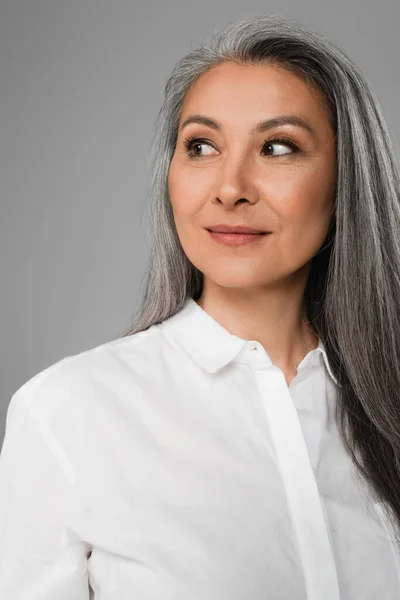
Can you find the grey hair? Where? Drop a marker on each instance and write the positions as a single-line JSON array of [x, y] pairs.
[[353, 289]]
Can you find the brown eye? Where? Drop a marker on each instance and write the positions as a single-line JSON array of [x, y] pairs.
[[192, 143], [281, 142]]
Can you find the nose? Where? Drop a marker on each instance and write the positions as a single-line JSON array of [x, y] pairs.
[[236, 183]]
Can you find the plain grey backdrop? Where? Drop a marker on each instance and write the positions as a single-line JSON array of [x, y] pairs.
[[81, 83]]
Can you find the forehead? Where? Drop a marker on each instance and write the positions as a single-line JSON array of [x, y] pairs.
[[228, 91]]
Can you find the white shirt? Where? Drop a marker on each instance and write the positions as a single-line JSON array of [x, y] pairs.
[[176, 464]]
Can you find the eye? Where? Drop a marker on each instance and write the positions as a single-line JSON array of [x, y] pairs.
[[192, 142], [282, 142]]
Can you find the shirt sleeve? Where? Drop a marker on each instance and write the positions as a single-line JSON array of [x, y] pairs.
[[39, 557]]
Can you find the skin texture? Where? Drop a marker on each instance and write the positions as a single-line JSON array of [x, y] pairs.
[[255, 291]]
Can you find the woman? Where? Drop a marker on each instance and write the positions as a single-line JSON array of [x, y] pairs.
[[242, 440]]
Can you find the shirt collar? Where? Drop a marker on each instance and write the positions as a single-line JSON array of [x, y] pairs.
[[211, 345]]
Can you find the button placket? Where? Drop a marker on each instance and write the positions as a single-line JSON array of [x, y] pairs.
[[300, 484]]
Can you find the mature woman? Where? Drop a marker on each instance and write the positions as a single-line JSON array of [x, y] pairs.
[[242, 440]]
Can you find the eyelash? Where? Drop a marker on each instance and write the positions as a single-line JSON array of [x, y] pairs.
[[190, 142]]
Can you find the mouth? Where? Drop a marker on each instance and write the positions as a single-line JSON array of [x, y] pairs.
[[236, 239], [238, 232], [242, 230]]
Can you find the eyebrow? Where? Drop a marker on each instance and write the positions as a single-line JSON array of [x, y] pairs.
[[260, 127]]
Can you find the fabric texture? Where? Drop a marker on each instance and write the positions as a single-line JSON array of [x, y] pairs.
[[177, 464]]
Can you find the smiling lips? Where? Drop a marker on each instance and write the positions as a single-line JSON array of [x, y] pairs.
[[236, 239], [225, 228]]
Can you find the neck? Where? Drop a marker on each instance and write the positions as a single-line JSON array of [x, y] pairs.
[[274, 318]]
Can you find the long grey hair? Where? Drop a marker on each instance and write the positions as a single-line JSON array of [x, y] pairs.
[[352, 294]]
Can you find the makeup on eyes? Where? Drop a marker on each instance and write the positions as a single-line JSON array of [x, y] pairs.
[[192, 140]]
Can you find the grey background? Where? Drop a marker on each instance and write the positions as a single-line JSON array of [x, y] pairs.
[[80, 87]]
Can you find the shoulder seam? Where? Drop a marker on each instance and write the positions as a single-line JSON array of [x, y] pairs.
[[33, 382]]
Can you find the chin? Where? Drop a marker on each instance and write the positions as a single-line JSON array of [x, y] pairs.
[[234, 280]]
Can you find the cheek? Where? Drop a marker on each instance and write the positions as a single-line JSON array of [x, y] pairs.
[[303, 205], [301, 195], [187, 195]]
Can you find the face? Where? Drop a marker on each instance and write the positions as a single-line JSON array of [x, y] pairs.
[[239, 175]]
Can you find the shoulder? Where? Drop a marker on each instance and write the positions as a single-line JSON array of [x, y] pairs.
[[61, 392]]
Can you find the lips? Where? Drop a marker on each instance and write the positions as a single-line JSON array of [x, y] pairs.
[[238, 232], [235, 239], [235, 229]]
